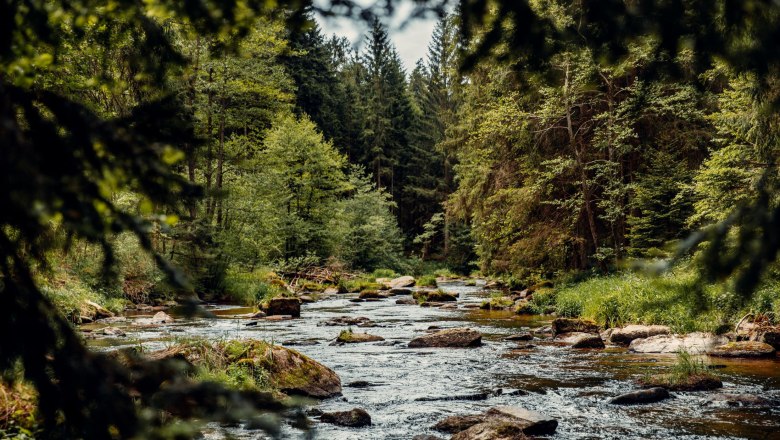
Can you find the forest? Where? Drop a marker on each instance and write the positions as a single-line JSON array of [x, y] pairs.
[[595, 167]]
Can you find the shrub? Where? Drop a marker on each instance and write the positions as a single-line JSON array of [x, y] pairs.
[[384, 273], [427, 281], [251, 288]]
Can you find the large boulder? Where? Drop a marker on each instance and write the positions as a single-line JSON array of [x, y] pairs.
[[294, 373], [91, 311], [693, 343], [400, 291], [287, 370], [355, 418], [624, 336], [399, 282], [454, 337], [744, 349], [650, 395], [283, 306], [570, 325]]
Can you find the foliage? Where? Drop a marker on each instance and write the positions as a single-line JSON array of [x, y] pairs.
[[252, 288], [428, 280], [672, 299]]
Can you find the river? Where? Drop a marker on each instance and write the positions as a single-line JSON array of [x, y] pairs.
[[570, 385]]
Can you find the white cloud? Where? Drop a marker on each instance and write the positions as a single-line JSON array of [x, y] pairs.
[[410, 37]]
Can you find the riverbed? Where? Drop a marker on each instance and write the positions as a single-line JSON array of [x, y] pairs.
[[570, 385]]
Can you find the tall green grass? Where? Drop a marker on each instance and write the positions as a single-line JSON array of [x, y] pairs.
[[674, 299]]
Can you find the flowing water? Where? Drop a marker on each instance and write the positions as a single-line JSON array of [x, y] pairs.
[[570, 385]]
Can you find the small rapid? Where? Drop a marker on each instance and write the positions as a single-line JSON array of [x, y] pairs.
[[411, 389]]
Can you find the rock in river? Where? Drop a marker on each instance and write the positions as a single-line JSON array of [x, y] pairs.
[[400, 282], [355, 338], [492, 430], [693, 343], [289, 371], [519, 337], [400, 291], [739, 400], [434, 296], [371, 294], [283, 306], [588, 341], [454, 337], [354, 418], [569, 325], [624, 336], [501, 422], [360, 321], [744, 349], [454, 424], [650, 395]]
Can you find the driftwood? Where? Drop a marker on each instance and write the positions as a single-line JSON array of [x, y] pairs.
[[321, 275]]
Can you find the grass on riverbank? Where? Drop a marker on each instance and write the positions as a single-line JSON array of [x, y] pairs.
[[676, 299]]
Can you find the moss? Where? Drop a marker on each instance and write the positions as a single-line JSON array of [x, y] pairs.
[[471, 282], [497, 302], [310, 286]]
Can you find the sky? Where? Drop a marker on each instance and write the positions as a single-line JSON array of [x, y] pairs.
[[411, 40]]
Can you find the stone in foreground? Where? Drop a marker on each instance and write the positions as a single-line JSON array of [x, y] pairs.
[[355, 418], [453, 338], [650, 395], [569, 325], [744, 349], [624, 336]]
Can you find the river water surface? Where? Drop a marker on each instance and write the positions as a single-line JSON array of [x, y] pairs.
[[570, 385]]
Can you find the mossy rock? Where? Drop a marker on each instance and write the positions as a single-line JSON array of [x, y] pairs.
[[350, 337], [744, 349], [434, 296], [287, 370], [671, 382], [373, 294]]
